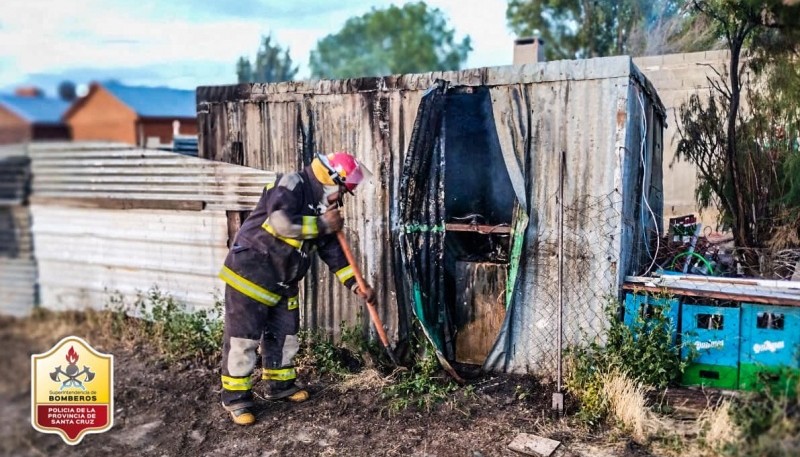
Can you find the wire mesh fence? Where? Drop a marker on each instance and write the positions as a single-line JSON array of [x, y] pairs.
[[582, 251], [576, 273]]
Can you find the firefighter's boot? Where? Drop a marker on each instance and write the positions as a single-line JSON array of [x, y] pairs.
[[285, 391], [243, 416]]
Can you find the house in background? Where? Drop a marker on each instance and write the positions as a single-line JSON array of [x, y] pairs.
[[29, 116], [142, 116]]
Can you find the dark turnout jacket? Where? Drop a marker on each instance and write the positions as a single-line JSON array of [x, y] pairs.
[[270, 254]]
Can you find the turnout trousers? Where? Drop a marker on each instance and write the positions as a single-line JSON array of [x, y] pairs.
[[248, 325]]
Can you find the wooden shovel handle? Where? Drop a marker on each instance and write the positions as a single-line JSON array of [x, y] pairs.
[[373, 313]]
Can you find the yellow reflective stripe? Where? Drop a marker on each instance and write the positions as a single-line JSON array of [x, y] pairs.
[[345, 273], [294, 302], [270, 185], [231, 383], [248, 288], [309, 226], [297, 244], [281, 374]]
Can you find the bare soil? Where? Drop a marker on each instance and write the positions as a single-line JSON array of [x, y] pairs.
[[172, 409]]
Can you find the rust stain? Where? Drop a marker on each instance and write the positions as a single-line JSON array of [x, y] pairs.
[[622, 117]]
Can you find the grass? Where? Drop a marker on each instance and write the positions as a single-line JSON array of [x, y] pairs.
[[719, 432], [423, 386], [162, 321], [627, 404], [353, 362], [612, 381]]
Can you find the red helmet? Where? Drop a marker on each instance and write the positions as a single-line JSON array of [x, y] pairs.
[[341, 168]]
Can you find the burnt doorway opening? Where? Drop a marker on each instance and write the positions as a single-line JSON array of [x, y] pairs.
[[455, 250], [479, 203]]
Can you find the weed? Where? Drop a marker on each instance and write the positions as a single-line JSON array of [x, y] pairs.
[[420, 386], [318, 351], [645, 353], [178, 332], [161, 320], [719, 433], [627, 403], [769, 425]]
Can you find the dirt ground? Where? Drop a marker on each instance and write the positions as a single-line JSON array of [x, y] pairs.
[[164, 409]]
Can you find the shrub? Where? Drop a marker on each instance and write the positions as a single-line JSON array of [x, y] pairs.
[[769, 424], [645, 353], [159, 319]]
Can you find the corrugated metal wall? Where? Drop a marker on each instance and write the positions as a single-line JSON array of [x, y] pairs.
[[597, 124], [587, 108], [110, 218], [17, 266], [273, 135]]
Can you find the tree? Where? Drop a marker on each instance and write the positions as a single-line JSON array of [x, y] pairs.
[[744, 157], [66, 91], [272, 64], [244, 70], [585, 28], [411, 39]]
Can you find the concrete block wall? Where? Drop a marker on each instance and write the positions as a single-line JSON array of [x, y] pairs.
[[676, 77]]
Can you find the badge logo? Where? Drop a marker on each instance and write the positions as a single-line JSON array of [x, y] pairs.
[[72, 390]]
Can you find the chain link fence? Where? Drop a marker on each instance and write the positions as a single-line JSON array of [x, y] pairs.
[[575, 274], [578, 266]]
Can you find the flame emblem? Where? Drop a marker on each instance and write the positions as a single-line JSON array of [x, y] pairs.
[[72, 356]]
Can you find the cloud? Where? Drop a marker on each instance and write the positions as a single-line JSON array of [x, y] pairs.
[[180, 75], [197, 42], [297, 11]]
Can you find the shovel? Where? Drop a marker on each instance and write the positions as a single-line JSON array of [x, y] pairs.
[[373, 313]]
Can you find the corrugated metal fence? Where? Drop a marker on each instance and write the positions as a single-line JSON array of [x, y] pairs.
[[17, 267], [111, 218]]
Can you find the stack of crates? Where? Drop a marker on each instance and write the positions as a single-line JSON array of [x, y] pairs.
[[769, 349], [640, 308], [710, 337], [730, 345]]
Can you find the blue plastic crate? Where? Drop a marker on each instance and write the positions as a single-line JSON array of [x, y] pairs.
[[711, 335], [770, 334], [770, 344], [642, 307], [713, 332]]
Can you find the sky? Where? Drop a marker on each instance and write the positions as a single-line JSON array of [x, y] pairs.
[[190, 43]]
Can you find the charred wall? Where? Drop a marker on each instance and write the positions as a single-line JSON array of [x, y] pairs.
[[583, 109]]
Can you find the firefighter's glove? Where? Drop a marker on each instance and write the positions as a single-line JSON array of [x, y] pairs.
[[332, 221], [367, 294]]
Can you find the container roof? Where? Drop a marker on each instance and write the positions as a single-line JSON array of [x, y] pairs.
[[155, 101], [36, 110]]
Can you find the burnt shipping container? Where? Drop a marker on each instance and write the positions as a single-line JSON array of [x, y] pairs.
[[463, 226]]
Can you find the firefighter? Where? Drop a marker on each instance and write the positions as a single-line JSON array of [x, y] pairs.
[[269, 257]]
